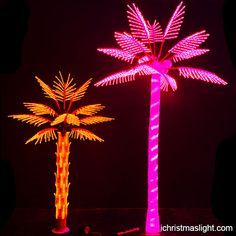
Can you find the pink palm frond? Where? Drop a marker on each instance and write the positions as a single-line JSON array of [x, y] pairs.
[[144, 59], [128, 75], [118, 53], [169, 81], [164, 84], [129, 44], [155, 31], [173, 27], [138, 25], [191, 42], [199, 74], [189, 54]]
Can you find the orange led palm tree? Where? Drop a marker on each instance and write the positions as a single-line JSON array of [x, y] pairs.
[[62, 123]]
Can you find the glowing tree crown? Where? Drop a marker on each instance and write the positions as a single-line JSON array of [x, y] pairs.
[[140, 48], [63, 118]]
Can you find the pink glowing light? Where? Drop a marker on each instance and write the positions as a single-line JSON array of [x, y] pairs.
[[156, 34], [153, 135], [128, 231], [117, 53], [140, 47], [130, 44], [175, 22], [189, 54], [191, 42], [128, 75], [204, 75]]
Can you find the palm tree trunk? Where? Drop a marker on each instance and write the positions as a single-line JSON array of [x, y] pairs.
[[62, 186], [152, 219]]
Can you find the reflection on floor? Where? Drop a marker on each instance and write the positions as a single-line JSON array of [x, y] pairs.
[[108, 222]]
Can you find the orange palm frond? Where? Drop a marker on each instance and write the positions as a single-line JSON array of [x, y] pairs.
[[72, 120], [48, 91], [94, 120], [40, 109], [67, 118], [79, 93], [64, 90], [82, 134], [88, 110], [43, 135], [31, 119]]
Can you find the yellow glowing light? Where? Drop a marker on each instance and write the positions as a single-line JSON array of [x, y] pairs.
[[31, 119], [82, 134], [40, 109], [94, 120], [66, 124], [88, 110], [45, 134], [62, 174], [63, 213], [64, 90], [66, 118], [47, 90], [80, 92]]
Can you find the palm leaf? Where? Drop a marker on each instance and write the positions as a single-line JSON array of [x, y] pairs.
[[191, 42], [88, 110], [189, 54], [67, 118], [164, 83], [94, 120], [47, 91], [72, 120], [199, 74], [128, 75], [31, 119], [45, 135], [156, 34], [82, 134], [64, 90], [129, 44], [167, 81], [138, 24], [80, 92], [171, 81], [118, 53], [144, 59], [173, 27], [40, 109]]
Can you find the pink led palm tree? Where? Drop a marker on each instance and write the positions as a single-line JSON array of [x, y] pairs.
[[139, 49]]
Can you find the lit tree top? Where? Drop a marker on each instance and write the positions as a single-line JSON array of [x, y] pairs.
[[140, 49], [63, 118]]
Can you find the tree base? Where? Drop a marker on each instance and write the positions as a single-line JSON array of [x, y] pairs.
[[156, 234], [60, 231]]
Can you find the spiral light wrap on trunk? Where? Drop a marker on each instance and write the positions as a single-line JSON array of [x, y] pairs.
[[152, 219]]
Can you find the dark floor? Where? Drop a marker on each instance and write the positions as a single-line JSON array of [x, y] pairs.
[[39, 222]]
